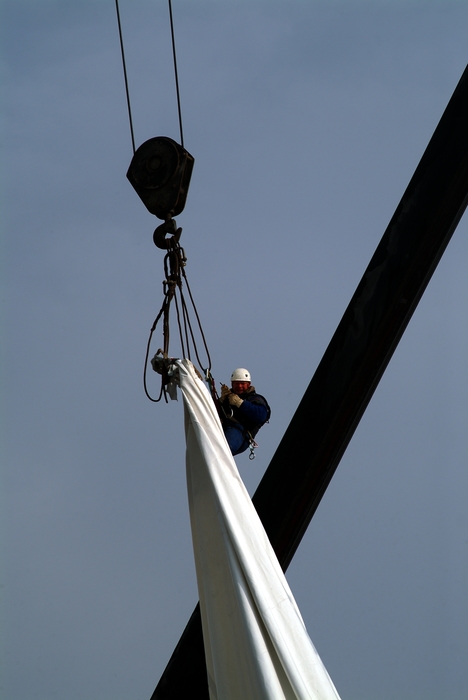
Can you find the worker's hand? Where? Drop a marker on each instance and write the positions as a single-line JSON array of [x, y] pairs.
[[235, 400], [225, 391]]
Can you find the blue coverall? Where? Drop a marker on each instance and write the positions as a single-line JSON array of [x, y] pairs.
[[248, 418]]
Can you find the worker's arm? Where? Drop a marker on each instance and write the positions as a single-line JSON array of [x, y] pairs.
[[255, 412]]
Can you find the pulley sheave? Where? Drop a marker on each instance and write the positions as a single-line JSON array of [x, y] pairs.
[[160, 173]]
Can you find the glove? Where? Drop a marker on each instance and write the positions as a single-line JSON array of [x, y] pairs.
[[225, 391], [235, 400]]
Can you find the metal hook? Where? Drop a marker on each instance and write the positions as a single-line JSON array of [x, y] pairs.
[[159, 235]]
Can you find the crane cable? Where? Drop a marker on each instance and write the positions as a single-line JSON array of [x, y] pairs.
[[176, 74], [124, 66]]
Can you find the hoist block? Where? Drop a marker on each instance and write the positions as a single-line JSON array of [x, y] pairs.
[[160, 173]]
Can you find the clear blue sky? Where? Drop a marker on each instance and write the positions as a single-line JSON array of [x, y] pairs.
[[306, 120]]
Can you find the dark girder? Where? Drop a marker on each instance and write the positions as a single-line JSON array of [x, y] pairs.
[[346, 378]]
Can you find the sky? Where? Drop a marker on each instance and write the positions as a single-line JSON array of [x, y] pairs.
[[306, 120]]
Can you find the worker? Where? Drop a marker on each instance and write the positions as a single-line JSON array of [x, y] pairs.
[[243, 411]]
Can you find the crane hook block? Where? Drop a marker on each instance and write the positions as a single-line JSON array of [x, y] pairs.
[[160, 173]]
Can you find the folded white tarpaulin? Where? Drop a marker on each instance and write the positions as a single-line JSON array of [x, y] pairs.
[[256, 644]]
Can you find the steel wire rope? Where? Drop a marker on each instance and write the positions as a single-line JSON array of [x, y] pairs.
[[205, 344], [176, 74], [124, 65]]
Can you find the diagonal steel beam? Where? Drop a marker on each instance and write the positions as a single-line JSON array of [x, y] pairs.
[[351, 368]]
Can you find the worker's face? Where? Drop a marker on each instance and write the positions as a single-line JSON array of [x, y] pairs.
[[240, 387]]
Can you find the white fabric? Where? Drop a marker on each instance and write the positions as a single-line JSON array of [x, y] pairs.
[[256, 644]]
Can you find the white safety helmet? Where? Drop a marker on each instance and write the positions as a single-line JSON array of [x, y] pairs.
[[240, 375]]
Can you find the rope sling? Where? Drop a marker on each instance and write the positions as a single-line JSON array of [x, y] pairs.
[[173, 287]]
